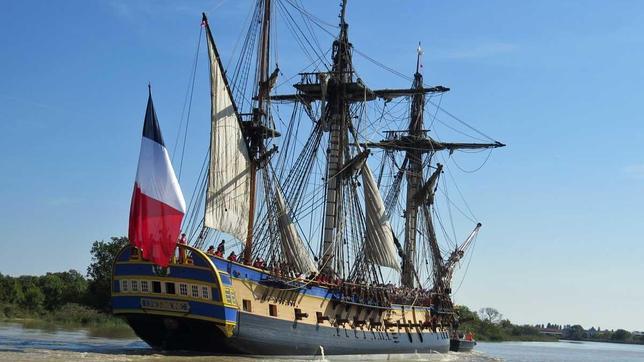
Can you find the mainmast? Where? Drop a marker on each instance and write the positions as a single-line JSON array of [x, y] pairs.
[[336, 120], [337, 90], [414, 177], [257, 129]]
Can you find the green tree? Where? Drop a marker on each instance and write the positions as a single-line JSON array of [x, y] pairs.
[[100, 271], [490, 315], [75, 287], [52, 287], [465, 314], [505, 324], [576, 332], [32, 297], [10, 290], [621, 335]]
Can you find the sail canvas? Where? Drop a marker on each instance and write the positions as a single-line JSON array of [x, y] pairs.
[[227, 197]]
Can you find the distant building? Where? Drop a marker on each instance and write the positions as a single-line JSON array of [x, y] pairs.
[[550, 330], [591, 332]]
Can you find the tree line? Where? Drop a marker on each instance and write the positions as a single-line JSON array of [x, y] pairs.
[[578, 333], [40, 295], [489, 325]]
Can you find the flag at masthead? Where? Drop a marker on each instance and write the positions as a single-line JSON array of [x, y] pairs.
[[158, 206]]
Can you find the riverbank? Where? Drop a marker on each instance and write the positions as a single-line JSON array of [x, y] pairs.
[[495, 329], [70, 317]]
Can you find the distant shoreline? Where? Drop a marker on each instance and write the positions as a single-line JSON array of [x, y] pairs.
[[602, 341]]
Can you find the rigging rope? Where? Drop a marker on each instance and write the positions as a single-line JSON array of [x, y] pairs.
[[467, 267], [191, 92]]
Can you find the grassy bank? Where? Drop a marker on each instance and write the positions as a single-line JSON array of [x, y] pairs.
[[69, 316]]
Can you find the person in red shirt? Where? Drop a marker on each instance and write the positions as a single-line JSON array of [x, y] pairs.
[[232, 256], [221, 249]]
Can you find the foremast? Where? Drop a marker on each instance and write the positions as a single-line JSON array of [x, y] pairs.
[[419, 149]]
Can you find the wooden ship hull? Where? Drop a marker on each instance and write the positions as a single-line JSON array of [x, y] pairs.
[[209, 304]]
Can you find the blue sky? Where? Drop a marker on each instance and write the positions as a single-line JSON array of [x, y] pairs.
[[560, 82]]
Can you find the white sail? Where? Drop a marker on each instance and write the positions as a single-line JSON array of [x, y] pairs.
[[227, 197], [380, 248], [293, 247]]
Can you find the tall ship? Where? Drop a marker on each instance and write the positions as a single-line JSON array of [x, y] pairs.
[[322, 204]]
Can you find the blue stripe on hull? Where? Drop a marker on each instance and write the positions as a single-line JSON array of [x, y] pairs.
[[196, 308], [175, 272]]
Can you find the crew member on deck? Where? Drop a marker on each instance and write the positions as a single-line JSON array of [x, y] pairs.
[[182, 251], [232, 256], [211, 250], [221, 249]]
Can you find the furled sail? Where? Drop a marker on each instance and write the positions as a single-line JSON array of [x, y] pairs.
[[379, 248], [295, 251], [227, 197]]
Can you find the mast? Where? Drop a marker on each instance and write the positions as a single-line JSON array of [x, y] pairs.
[[255, 128], [414, 178], [415, 142], [336, 120]]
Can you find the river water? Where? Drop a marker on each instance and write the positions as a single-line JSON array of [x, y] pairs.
[[18, 343]]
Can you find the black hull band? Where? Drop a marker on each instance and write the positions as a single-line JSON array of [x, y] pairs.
[[259, 335]]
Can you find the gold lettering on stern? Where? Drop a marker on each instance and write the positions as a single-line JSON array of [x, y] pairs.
[[167, 305]]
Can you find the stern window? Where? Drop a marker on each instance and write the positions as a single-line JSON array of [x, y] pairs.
[[156, 287], [145, 286], [204, 293], [135, 286], [124, 286], [183, 289], [169, 288], [272, 310], [195, 291]]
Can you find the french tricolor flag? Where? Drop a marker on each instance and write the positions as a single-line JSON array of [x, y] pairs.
[[158, 206]]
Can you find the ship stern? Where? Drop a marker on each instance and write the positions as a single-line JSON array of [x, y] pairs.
[[189, 305]]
